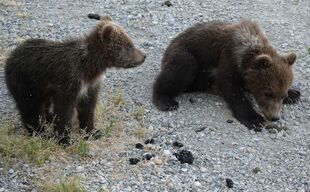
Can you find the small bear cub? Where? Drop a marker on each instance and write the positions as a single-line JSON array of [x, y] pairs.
[[65, 76], [237, 59]]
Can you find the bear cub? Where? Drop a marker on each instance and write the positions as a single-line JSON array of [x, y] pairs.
[[64, 76], [238, 59]]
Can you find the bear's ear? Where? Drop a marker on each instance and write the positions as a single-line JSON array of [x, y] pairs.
[[107, 32], [290, 58], [262, 61], [106, 18]]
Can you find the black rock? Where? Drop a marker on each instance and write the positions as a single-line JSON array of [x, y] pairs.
[[229, 121], [199, 129], [139, 146], [148, 156], [256, 170], [177, 144], [167, 3], [134, 161], [151, 141], [229, 183], [191, 100], [185, 157]]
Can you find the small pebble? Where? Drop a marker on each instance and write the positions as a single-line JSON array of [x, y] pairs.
[[11, 171], [79, 168], [177, 144], [139, 146], [203, 169], [273, 130], [229, 121], [158, 161], [185, 157], [197, 184], [256, 170], [166, 153], [134, 161], [229, 183]]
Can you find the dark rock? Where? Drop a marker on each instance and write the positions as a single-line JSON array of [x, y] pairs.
[[134, 161], [177, 144], [191, 100], [200, 129], [167, 3], [256, 170], [229, 121], [139, 146], [148, 156], [185, 157], [149, 141], [229, 183]]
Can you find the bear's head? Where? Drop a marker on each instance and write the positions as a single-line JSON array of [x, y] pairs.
[[268, 77], [115, 44]]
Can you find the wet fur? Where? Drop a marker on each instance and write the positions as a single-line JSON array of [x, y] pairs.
[[223, 54], [66, 75]]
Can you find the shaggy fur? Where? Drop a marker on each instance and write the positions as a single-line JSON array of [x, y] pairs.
[[65, 75], [234, 57]]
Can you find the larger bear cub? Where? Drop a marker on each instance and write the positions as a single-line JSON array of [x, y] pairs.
[[236, 58], [65, 75]]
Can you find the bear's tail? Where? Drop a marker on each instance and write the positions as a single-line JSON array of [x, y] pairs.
[[94, 16]]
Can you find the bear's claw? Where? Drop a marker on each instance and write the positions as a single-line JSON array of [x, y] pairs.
[[252, 121], [293, 97]]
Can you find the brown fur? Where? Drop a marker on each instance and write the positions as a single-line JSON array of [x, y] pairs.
[[65, 75], [236, 58]]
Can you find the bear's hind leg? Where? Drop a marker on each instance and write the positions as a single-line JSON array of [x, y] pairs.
[[174, 79], [30, 109]]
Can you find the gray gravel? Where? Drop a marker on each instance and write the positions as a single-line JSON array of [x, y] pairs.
[[268, 161]]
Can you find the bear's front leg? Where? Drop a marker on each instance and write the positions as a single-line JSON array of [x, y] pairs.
[[86, 112], [64, 110], [231, 87], [292, 97]]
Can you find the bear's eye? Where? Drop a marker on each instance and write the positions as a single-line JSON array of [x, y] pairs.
[[130, 47], [269, 94]]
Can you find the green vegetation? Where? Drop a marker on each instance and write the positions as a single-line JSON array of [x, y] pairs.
[[20, 146], [71, 185]]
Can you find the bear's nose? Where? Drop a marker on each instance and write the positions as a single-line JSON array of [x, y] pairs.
[[275, 118]]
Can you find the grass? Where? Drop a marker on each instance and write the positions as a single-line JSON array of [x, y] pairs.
[[80, 147], [71, 185], [14, 145], [23, 15], [140, 133], [309, 50], [108, 117]]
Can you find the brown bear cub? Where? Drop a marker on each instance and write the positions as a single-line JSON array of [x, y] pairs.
[[65, 75], [237, 59]]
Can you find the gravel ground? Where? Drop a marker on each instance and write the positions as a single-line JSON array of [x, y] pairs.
[[266, 161]]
